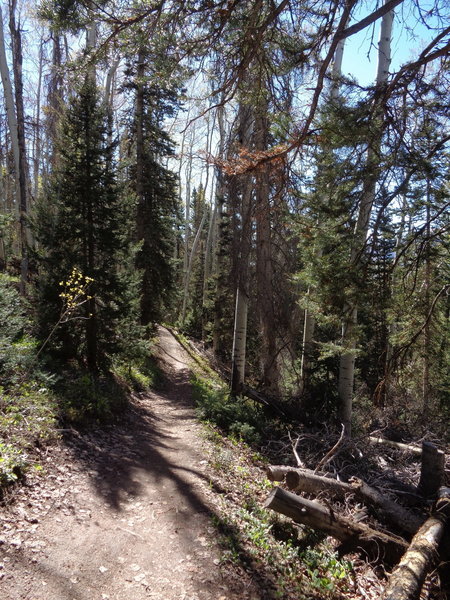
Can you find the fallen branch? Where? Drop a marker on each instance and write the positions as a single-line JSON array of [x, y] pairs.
[[407, 578], [396, 445], [262, 399], [329, 455], [310, 483], [387, 509], [300, 463], [354, 535]]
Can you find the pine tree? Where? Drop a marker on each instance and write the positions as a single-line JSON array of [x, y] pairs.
[[81, 223], [155, 186]]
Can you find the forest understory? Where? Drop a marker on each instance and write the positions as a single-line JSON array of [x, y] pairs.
[[270, 181], [158, 506]]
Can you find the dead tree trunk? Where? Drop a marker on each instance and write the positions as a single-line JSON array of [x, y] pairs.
[[386, 509], [432, 470], [353, 535], [407, 579]]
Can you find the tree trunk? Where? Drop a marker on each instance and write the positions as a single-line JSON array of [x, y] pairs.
[[353, 535], [407, 579], [432, 473], [239, 342], [306, 481], [188, 273], [347, 360], [246, 125], [37, 127], [10, 112], [426, 388], [25, 236], [264, 264]]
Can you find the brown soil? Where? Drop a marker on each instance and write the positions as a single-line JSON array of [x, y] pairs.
[[124, 513]]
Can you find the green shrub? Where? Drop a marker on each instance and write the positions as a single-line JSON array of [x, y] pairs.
[[12, 463], [237, 417], [83, 397], [17, 348]]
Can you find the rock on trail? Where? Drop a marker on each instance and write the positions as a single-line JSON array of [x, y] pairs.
[[124, 513]]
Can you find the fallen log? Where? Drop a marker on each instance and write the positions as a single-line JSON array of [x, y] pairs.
[[278, 472], [308, 482], [405, 582], [353, 535], [387, 509]]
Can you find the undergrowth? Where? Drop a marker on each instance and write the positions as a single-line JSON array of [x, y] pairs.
[[37, 399], [288, 560]]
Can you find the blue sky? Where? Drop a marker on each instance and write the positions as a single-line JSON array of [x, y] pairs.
[[409, 37]]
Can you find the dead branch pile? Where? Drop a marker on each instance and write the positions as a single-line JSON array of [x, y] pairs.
[[406, 520]]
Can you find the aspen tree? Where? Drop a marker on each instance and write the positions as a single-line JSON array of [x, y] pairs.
[[361, 229]]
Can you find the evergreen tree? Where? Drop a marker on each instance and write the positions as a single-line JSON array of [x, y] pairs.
[[81, 223], [155, 186]]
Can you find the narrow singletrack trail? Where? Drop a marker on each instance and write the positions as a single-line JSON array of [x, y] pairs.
[[123, 513]]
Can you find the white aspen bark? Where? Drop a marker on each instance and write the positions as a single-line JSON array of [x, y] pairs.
[[187, 201], [241, 312], [22, 178], [91, 36], [239, 342], [219, 190], [208, 244], [91, 42], [336, 69], [246, 126], [187, 223], [347, 360], [109, 94], [3, 207]]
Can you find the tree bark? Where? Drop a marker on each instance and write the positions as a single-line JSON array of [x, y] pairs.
[[305, 481], [407, 579], [10, 111], [432, 471], [350, 321], [245, 134], [22, 174], [264, 263], [353, 535]]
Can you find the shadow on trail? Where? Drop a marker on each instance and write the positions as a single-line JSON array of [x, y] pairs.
[[142, 456]]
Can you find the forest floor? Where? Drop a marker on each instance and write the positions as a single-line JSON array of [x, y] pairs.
[[125, 512]]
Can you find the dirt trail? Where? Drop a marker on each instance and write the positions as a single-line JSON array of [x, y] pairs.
[[123, 514]]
